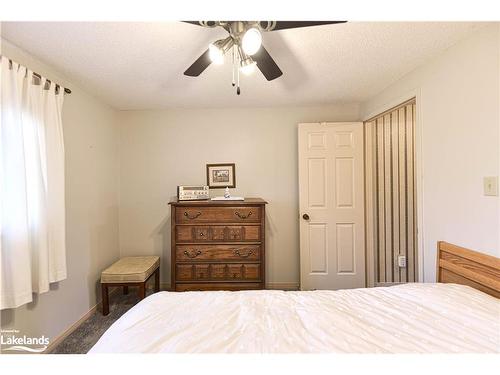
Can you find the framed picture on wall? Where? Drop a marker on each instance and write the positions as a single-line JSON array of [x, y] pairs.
[[221, 176]]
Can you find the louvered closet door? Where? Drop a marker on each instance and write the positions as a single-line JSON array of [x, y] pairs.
[[390, 196]]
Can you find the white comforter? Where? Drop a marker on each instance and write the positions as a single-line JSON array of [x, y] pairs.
[[405, 318]]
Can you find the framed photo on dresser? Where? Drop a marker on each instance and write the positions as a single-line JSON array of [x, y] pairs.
[[221, 175]]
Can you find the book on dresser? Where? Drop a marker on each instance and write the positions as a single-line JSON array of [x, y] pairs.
[[218, 245]]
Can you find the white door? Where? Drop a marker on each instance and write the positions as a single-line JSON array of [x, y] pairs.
[[331, 201]]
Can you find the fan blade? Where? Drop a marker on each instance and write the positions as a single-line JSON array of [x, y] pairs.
[[199, 23], [199, 65], [266, 64], [282, 25]]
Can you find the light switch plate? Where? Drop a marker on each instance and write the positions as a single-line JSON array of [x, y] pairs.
[[491, 186], [402, 261]]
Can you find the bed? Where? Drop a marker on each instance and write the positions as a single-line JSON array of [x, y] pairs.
[[459, 314]]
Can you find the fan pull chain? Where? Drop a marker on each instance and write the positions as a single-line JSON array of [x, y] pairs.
[[238, 91], [233, 67]]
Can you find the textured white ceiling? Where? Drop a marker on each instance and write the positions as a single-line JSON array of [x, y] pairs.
[[140, 65]]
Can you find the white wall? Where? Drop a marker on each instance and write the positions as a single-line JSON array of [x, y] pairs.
[[458, 119], [162, 149], [91, 150]]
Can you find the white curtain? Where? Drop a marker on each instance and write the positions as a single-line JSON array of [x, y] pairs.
[[32, 211]]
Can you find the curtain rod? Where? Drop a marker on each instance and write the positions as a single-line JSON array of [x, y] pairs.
[[66, 91]]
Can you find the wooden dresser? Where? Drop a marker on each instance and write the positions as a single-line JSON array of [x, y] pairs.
[[218, 245]]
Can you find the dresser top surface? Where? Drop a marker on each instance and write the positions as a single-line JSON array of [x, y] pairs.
[[208, 202]]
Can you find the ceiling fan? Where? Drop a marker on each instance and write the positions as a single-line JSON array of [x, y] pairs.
[[245, 43]]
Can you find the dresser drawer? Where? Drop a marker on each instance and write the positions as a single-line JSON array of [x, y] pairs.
[[217, 233], [184, 215], [184, 271], [218, 272], [217, 253], [243, 271], [193, 271]]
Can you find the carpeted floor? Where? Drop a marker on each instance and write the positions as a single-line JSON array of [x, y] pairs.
[[85, 336]]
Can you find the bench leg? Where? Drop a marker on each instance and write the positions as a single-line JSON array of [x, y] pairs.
[[142, 290], [125, 290], [157, 280], [105, 299]]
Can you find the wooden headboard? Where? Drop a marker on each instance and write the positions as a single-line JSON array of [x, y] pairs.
[[459, 265]]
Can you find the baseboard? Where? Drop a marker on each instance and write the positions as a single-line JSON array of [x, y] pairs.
[[283, 286], [274, 286], [53, 344], [165, 286]]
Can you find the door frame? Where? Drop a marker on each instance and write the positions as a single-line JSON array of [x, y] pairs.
[[370, 273]]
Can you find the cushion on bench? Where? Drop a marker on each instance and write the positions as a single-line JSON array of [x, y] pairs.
[[130, 270]]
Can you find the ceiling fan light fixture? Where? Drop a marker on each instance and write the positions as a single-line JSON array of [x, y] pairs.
[[247, 66], [251, 41], [215, 53], [217, 49]]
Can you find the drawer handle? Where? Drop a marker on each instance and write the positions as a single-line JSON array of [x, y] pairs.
[[243, 216], [192, 254], [237, 252], [196, 215]]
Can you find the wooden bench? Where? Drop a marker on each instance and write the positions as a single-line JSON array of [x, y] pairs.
[[130, 271]]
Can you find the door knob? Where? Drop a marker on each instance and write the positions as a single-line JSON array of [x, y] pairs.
[[305, 217]]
